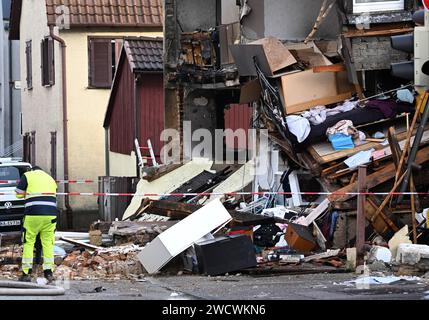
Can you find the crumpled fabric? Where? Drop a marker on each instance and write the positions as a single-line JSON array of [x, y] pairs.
[[389, 108], [298, 126], [405, 95], [359, 138], [318, 115], [345, 127]]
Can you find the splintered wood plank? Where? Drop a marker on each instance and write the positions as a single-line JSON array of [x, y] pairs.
[[387, 153], [376, 178], [377, 33], [332, 68], [324, 153]]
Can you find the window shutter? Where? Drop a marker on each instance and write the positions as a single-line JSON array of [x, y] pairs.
[[28, 56], [100, 66], [48, 62], [44, 62]]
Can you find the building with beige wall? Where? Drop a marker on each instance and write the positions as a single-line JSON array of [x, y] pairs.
[[68, 58]]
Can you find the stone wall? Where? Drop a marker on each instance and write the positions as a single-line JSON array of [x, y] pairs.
[[375, 53]]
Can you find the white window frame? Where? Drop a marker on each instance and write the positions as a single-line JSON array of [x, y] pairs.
[[378, 6]]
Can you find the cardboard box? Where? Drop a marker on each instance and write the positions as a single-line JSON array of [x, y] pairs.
[[272, 56], [306, 89], [277, 55], [250, 92]]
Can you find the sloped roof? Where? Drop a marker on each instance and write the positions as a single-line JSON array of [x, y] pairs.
[[144, 54], [112, 13], [96, 13]]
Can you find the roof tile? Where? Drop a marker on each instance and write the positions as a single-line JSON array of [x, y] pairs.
[[111, 13], [145, 54]]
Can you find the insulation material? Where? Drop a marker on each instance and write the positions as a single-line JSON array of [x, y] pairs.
[[237, 181], [167, 183]]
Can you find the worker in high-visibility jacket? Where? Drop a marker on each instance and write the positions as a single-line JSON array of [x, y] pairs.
[[40, 217]]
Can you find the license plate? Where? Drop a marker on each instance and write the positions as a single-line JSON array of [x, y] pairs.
[[10, 223]]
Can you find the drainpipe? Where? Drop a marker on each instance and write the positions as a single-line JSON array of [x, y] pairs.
[[69, 212], [11, 88], [106, 150]]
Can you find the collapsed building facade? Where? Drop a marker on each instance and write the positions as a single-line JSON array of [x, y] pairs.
[[208, 73]]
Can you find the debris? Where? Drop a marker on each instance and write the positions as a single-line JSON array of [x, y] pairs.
[[300, 238], [377, 266], [315, 213], [167, 183], [291, 258], [235, 182], [182, 235], [411, 254], [378, 253], [80, 243], [139, 233], [108, 263], [95, 238], [225, 254], [327, 254], [380, 280], [400, 237], [327, 87], [351, 258]]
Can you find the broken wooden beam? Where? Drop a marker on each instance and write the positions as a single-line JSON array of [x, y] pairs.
[[332, 68], [360, 221], [154, 173], [80, 243], [376, 178]]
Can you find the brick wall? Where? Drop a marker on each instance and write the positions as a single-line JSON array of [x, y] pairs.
[[375, 53]]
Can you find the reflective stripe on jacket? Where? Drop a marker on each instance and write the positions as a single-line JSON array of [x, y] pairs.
[[40, 182]]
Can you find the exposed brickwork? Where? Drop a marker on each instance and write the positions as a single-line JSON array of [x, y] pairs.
[[375, 53]]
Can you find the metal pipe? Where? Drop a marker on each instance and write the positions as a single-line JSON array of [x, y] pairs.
[[106, 150], [15, 288], [69, 212], [10, 95]]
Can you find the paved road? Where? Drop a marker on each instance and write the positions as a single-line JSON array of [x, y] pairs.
[[297, 287]]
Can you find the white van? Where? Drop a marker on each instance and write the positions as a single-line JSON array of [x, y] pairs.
[[11, 208]]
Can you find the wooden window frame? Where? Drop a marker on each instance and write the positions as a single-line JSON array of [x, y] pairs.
[[115, 42]]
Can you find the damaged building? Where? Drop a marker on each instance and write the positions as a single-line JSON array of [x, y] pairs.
[[308, 72], [335, 164]]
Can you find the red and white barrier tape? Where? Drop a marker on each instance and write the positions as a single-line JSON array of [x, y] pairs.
[[202, 194], [58, 181]]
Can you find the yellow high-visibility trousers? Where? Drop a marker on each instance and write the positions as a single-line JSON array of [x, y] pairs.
[[46, 226]]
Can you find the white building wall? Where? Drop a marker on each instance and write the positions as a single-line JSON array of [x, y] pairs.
[[41, 106]]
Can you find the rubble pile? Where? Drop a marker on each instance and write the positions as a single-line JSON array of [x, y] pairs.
[[111, 263]]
